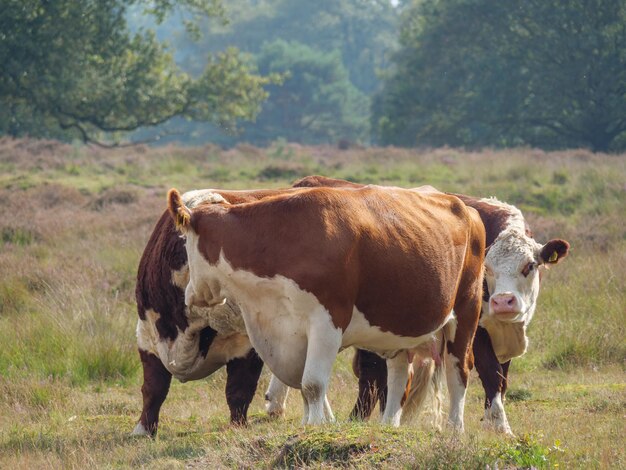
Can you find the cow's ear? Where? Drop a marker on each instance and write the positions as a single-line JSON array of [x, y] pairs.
[[554, 251], [179, 212]]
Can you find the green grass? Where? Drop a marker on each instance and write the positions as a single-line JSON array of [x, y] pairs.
[[74, 222]]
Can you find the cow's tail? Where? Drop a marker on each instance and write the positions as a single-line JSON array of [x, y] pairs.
[[428, 383]]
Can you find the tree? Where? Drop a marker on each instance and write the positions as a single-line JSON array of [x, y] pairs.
[[316, 103], [364, 31], [73, 69], [486, 72]]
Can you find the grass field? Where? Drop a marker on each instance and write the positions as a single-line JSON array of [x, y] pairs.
[[73, 224]]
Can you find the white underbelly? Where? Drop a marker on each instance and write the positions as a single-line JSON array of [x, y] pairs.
[[360, 333]]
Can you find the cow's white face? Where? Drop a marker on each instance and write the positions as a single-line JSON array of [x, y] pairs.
[[512, 265]]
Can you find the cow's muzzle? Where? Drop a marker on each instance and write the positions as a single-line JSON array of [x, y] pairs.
[[504, 304]]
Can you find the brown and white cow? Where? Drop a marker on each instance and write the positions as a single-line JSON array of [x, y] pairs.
[[188, 343], [513, 265], [321, 269]]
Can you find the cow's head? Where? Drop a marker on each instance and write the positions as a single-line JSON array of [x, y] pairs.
[[512, 271], [182, 215]]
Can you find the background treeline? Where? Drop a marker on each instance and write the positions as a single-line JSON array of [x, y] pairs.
[[470, 73]]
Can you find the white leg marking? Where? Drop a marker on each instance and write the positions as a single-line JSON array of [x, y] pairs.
[[140, 430], [276, 397], [324, 340], [457, 390], [495, 417], [397, 376]]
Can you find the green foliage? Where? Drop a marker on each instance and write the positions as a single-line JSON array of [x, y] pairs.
[[73, 69], [526, 452], [316, 103], [485, 72], [363, 31], [355, 35]]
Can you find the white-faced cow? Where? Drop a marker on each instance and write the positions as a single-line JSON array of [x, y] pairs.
[[321, 269], [188, 343], [513, 265]]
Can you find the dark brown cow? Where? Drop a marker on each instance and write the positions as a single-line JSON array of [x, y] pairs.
[[509, 300], [321, 269], [175, 340]]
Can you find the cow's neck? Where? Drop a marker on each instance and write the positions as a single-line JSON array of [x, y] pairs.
[[508, 339]]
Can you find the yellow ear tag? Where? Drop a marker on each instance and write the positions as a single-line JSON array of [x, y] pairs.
[[553, 257]]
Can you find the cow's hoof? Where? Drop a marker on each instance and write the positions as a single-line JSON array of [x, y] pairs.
[[140, 431], [506, 430], [275, 413], [500, 428], [273, 409]]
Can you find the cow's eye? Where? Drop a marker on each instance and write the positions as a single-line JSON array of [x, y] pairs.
[[529, 268], [488, 271]]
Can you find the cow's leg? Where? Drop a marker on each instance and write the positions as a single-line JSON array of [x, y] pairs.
[[505, 377], [397, 376], [241, 382], [156, 385], [323, 345], [276, 397], [457, 377], [459, 355], [493, 377], [372, 372]]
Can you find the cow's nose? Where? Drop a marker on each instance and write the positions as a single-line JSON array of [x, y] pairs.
[[503, 303]]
